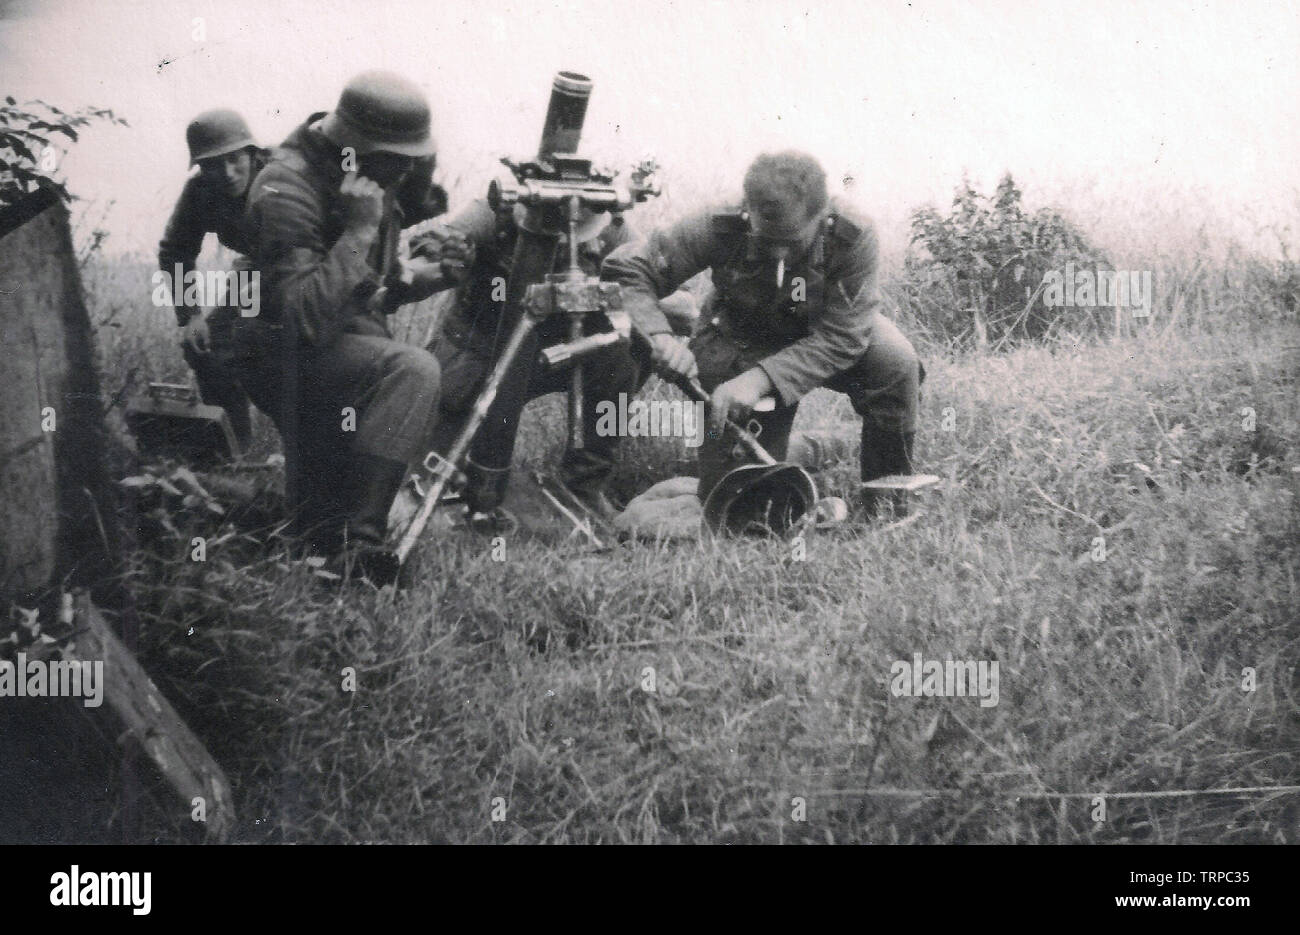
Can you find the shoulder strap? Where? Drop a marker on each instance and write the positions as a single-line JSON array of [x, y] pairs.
[[829, 236], [729, 222], [839, 229]]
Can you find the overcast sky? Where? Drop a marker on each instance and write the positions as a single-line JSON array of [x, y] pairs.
[[1124, 105]]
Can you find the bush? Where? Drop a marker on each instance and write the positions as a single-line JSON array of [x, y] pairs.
[[28, 158], [977, 277]]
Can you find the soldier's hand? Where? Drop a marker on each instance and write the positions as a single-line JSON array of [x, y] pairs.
[[449, 248], [427, 245], [195, 334], [457, 256], [737, 398], [363, 202], [672, 357], [421, 271], [426, 278]]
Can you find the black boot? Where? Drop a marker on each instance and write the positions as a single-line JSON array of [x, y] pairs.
[[315, 502], [884, 453], [376, 481], [485, 487]]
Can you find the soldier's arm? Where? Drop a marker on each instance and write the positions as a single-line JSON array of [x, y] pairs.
[[315, 287], [841, 331], [181, 242], [654, 268], [464, 240], [476, 223]]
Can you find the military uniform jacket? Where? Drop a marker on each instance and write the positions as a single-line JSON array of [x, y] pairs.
[[315, 280], [201, 210], [816, 324]]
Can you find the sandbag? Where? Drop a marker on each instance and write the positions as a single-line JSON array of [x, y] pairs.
[[668, 510]]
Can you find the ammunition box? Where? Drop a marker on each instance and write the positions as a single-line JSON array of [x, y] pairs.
[[171, 421]]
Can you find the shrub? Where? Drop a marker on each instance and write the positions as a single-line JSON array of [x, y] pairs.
[[977, 275]]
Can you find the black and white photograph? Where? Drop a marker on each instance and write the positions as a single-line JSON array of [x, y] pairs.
[[650, 422]]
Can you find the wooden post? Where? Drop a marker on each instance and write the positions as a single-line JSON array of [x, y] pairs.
[[147, 719], [57, 509]]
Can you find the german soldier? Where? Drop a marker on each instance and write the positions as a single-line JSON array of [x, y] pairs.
[[795, 306], [212, 201], [483, 241], [354, 407]]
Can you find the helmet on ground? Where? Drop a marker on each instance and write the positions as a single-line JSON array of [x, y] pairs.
[[769, 499]]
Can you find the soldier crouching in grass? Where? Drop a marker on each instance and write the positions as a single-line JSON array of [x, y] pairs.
[[354, 407], [212, 201], [795, 306]]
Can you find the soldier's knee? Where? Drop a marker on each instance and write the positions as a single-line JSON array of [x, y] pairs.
[[884, 386], [415, 369], [895, 380], [421, 364], [893, 356]]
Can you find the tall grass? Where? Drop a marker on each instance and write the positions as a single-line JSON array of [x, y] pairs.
[[516, 689]]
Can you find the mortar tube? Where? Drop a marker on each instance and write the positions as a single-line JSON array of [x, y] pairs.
[[565, 114]]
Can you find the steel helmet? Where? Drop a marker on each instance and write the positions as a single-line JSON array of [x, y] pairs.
[[761, 498], [215, 133], [379, 111]]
